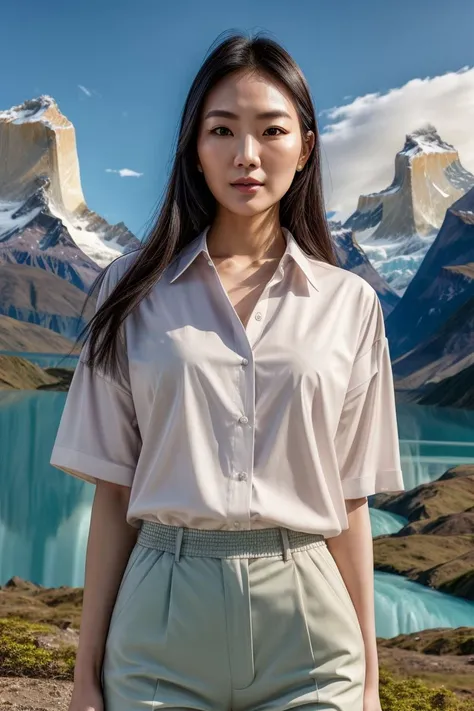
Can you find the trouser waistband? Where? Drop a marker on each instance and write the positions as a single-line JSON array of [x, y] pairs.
[[257, 543]]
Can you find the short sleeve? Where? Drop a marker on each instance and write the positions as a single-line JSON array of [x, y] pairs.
[[98, 435], [366, 441]]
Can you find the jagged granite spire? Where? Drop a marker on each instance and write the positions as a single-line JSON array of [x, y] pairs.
[[41, 191]]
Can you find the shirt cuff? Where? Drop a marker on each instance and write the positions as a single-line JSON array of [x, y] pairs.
[[384, 481], [89, 468]]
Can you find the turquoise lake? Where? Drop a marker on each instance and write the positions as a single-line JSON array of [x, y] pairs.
[[45, 513]]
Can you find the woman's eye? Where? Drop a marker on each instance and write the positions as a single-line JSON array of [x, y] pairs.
[[219, 128], [274, 128], [224, 128]]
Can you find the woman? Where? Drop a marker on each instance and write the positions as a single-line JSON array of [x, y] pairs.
[[234, 408]]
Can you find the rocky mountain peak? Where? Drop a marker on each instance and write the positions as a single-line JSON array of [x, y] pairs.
[[426, 139], [41, 191], [43, 108]]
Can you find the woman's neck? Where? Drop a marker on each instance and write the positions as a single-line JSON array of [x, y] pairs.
[[253, 239]]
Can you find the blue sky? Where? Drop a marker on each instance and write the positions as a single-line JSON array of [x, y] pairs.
[[136, 60]]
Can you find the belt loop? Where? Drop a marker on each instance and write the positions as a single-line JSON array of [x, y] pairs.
[[179, 540], [286, 543]]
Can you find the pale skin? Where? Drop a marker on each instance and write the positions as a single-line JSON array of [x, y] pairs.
[[246, 243]]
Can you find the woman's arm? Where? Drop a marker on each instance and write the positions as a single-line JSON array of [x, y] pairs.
[[353, 552], [111, 540]]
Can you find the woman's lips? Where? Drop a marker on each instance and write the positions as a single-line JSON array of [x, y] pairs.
[[251, 188]]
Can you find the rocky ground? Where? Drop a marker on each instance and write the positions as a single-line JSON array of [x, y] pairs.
[[438, 656], [34, 694]]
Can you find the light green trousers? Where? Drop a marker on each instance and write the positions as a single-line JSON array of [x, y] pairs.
[[232, 621]]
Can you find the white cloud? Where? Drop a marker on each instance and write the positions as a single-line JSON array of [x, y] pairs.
[[125, 173], [86, 91], [361, 139]]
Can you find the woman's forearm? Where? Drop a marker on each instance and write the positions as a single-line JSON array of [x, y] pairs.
[[110, 542], [353, 552]]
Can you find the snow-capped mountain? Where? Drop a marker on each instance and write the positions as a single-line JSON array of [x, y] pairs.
[[52, 247], [442, 285], [31, 235], [350, 256], [44, 219], [397, 226]]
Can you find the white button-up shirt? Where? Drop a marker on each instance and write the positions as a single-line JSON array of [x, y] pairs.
[[218, 426]]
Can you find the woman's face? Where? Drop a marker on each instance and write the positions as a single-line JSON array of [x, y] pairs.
[[235, 141]]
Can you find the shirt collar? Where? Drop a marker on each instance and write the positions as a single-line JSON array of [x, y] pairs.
[[199, 244]]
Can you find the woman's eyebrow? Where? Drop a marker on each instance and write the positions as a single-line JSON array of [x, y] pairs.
[[221, 113]]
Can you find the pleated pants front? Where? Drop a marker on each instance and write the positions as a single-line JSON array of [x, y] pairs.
[[266, 631]]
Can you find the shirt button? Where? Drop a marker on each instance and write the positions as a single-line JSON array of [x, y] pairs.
[[243, 420], [236, 524], [242, 476], [210, 262], [244, 361], [258, 316]]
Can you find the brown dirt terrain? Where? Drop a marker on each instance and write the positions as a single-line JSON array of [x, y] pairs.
[[24, 694]]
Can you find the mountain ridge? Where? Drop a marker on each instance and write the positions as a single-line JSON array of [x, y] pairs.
[[397, 225]]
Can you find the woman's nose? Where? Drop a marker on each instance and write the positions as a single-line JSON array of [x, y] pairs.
[[248, 152]]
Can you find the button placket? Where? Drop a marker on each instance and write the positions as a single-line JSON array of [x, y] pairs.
[[242, 465], [241, 492], [257, 320], [259, 314], [241, 488], [240, 481]]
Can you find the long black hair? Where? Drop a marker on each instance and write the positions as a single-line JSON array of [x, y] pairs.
[[188, 205]]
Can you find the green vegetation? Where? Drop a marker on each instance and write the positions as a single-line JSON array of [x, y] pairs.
[[414, 695], [29, 649]]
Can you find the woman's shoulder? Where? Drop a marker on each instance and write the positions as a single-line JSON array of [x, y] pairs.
[[119, 266], [122, 263], [114, 271], [355, 302], [334, 279]]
